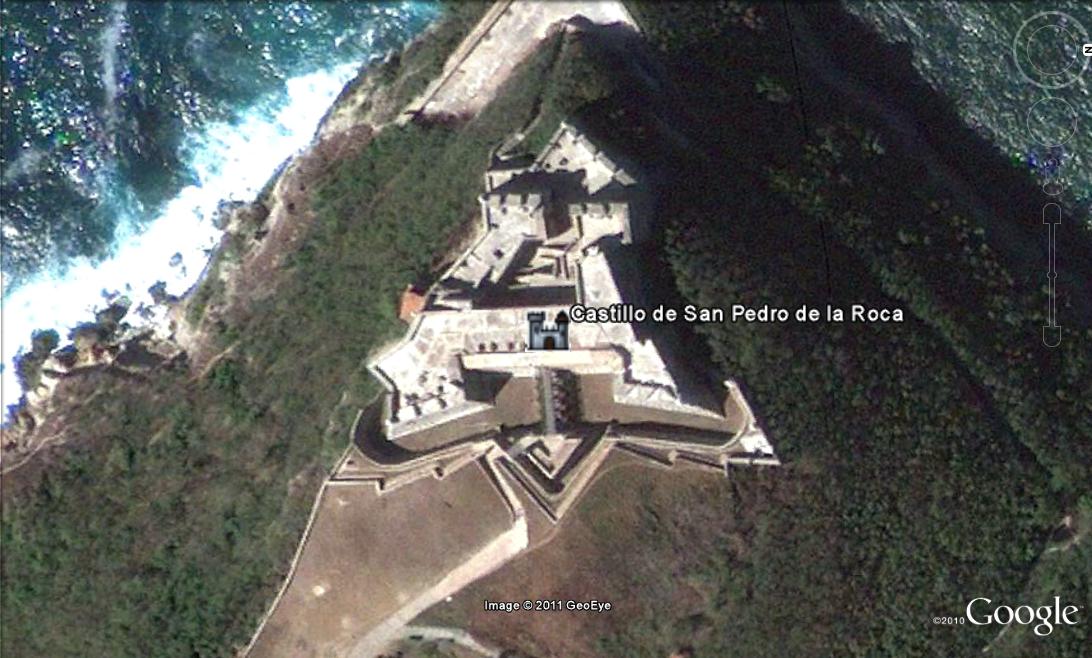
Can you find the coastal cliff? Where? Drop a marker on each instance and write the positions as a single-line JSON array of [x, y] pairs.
[[924, 459], [256, 237], [228, 436]]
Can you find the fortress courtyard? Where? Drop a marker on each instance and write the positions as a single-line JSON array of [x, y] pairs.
[[500, 409]]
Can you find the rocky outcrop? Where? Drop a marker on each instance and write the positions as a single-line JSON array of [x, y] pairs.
[[108, 343], [257, 236]]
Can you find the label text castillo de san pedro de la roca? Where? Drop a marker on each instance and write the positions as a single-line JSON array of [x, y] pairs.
[[736, 313]]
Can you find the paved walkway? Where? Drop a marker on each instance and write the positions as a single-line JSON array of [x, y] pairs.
[[492, 556], [505, 36], [453, 635]]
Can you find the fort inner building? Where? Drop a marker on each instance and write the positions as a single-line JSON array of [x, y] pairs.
[[491, 357], [500, 408]]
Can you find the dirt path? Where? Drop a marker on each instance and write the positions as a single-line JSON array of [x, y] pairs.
[[485, 561]]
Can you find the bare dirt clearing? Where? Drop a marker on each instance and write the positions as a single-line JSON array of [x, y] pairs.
[[368, 556], [609, 549]]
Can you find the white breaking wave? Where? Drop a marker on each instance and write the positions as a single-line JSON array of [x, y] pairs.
[[232, 161], [111, 37]]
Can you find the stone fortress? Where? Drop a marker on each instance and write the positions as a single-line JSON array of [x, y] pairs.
[[491, 359], [499, 411]]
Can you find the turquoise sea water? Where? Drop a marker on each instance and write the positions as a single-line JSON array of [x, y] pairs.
[[125, 124]]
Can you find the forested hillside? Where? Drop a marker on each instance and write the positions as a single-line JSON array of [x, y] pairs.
[[165, 525], [940, 452], [927, 462], [799, 159]]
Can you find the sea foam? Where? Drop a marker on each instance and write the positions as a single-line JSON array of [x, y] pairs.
[[231, 161]]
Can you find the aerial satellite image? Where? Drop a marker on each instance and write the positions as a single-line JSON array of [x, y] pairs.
[[546, 329]]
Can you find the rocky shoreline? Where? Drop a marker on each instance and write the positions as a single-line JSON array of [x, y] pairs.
[[256, 237]]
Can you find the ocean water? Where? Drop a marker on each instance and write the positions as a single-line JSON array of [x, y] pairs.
[[125, 124]]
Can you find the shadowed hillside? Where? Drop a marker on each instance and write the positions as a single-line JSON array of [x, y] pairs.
[[801, 160]]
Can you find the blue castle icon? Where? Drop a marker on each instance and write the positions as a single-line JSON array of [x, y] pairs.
[[548, 336]]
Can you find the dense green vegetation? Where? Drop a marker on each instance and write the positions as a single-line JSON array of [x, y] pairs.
[[156, 535], [167, 523], [929, 461], [939, 453], [990, 92]]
